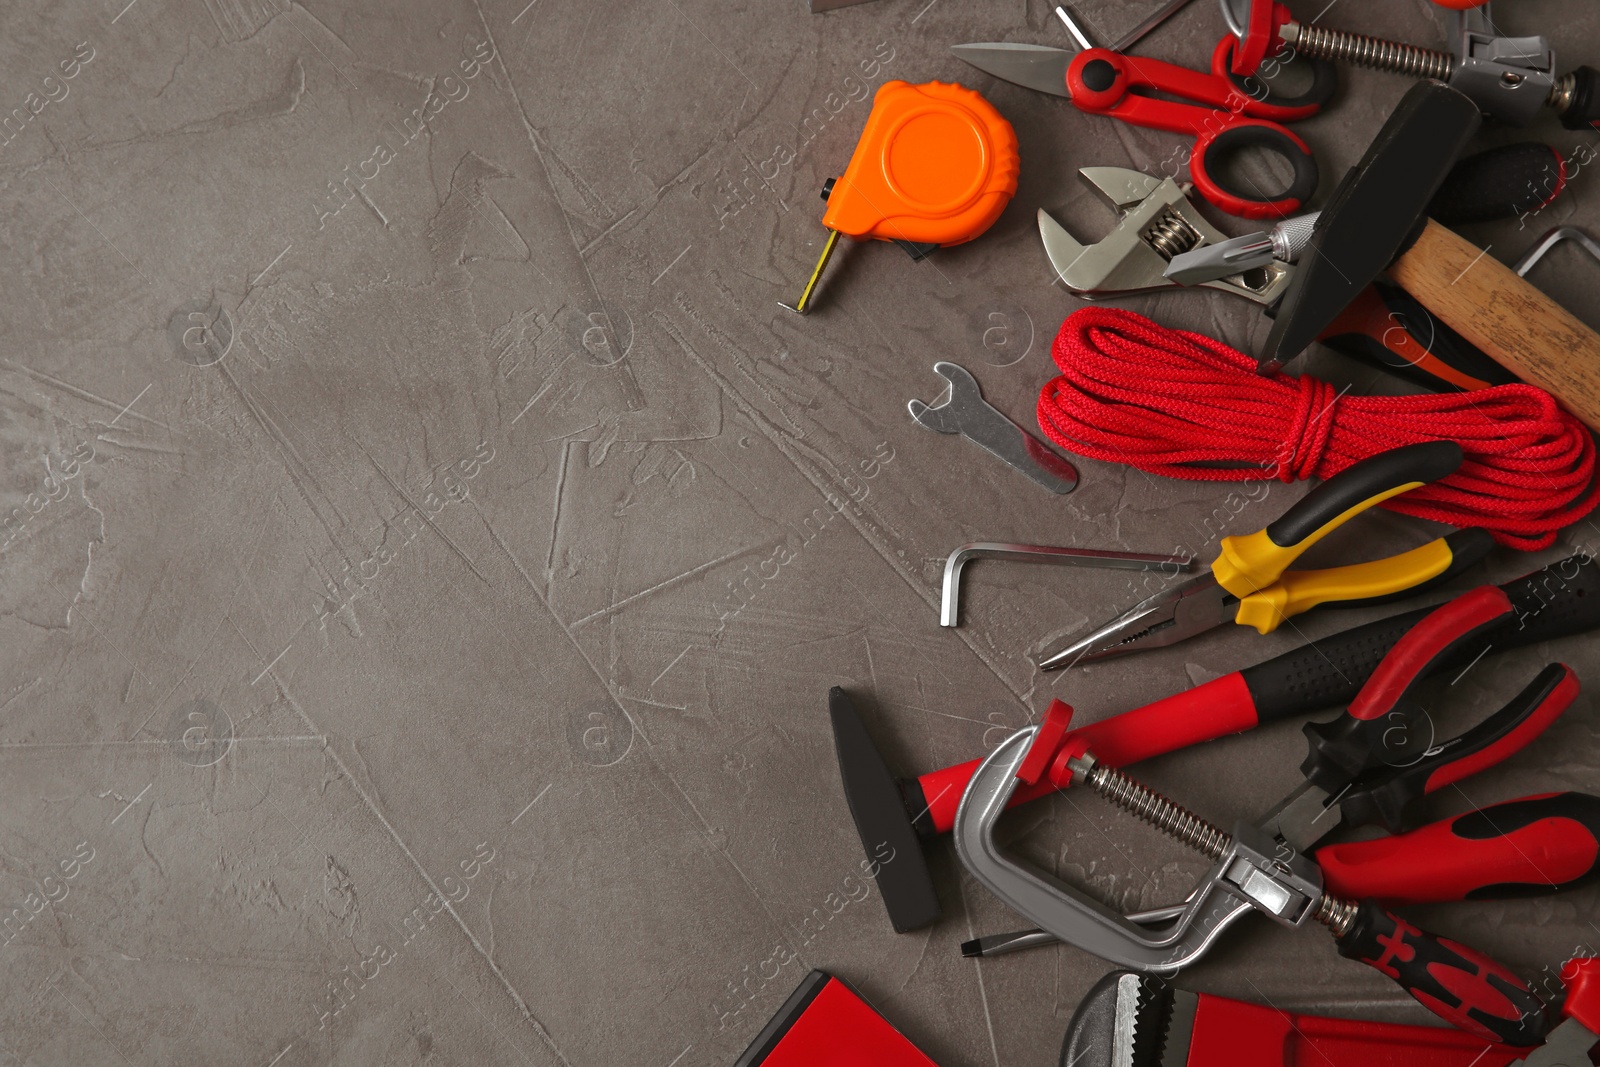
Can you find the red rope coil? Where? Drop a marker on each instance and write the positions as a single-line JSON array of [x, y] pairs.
[[1184, 405]]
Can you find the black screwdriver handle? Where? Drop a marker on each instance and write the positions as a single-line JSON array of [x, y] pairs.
[[1556, 601], [1461, 985], [1500, 183]]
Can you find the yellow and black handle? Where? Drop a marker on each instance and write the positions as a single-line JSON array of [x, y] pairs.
[[1252, 567]]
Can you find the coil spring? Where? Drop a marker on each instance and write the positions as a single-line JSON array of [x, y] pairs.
[[1336, 914], [1171, 235], [1321, 43], [1158, 811]]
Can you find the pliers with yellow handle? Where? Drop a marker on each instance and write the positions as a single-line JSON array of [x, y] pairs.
[[1250, 582]]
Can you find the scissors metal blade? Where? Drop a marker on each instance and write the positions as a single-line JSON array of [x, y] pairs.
[[1170, 616], [1032, 66]]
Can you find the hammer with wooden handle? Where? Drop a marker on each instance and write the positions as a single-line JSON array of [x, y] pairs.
[[1376, 222]]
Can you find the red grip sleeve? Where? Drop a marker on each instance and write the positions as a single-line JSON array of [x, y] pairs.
[[1218, 708], [1534, 845], [1413, 655], [1558, 700]]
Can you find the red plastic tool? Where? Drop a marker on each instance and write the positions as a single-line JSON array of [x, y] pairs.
[[1232, 1033], [825, 1023], [1217, 109]]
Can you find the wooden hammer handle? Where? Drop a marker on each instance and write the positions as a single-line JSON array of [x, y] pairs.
[[1515, 324]]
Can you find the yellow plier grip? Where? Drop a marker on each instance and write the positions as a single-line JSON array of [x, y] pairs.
[[1252, 566]]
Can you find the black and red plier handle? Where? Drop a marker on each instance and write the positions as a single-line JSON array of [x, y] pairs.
[[1223, 111], [1384, 753]]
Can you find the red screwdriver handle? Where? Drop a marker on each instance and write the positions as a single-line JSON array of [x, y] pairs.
[[1459, 984], [1527, 847], [1384, 797]]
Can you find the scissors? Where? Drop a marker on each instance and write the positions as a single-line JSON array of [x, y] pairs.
[[1247, 583], [1225, 112]]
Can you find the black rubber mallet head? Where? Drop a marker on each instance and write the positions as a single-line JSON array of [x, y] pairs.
[[893, 847], [1376, 222]]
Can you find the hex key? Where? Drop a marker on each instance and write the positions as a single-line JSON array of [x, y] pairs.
[[1081, 557]]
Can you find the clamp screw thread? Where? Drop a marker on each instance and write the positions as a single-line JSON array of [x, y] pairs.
[[1318, 42], [1155, 809], [1336, 914]]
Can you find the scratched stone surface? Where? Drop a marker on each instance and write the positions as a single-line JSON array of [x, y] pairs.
[[429, 545]]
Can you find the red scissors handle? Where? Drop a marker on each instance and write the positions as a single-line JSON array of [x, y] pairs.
[[1224, 112]]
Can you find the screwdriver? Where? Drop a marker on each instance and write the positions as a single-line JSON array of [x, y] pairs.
[[936, 165]]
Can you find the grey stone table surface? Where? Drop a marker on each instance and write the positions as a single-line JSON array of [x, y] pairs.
[[429, 545]]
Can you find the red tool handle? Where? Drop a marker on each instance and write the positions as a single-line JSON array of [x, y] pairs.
[[1527, 847], [1365, 738], [1222, 114], [1233, 1033], [1413, 655], [1556, 601], [1384, 798], [1459, 984]]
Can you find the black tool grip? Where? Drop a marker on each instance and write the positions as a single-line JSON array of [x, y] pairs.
[[1360, 483], [1385, 798], [1583, 109], [1460, 985], [1501, 183], [1209, 167], [1556, 601], [1324, 81]]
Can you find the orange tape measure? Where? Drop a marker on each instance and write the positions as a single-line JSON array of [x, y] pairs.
[[936, 165]]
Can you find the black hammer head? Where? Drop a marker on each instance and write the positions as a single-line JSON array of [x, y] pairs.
[[894, 851], [1375, 214]]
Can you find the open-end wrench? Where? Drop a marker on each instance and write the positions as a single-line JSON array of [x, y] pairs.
[[968, 414]]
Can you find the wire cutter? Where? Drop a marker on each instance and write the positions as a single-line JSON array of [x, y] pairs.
[[1224, 112], [1247, 583]]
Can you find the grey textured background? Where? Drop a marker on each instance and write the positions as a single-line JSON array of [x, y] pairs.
[[508, 551]]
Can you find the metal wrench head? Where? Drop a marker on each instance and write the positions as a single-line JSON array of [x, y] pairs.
[[1158, 221], [946, 417], [1065, 911]]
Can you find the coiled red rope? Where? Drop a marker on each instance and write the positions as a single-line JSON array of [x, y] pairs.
[[1187, 406]]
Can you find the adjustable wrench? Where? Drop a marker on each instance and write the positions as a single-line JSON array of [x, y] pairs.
[[968, 414], [1158, 222]]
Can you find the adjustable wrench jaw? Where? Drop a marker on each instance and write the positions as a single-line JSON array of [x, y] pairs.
[[1064, 911], [1158, 222]]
